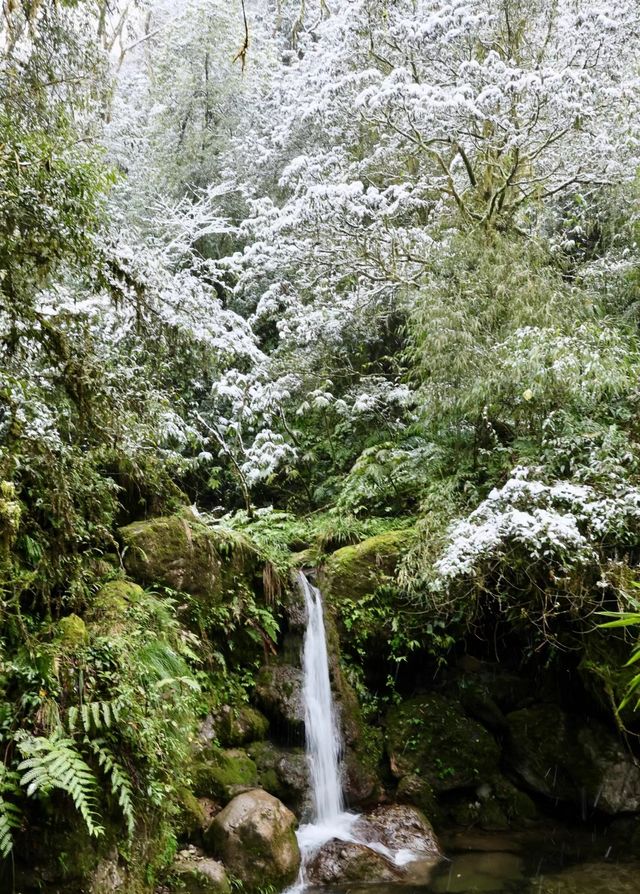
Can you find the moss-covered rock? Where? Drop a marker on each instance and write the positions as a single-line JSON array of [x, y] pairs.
[[284, 773], [223, 774], [182, 553], [71, 631], [429, 736], [354, 571], [193, 872], [562, 757], [240, 725], [255, 837], [195, 815], [109, 606]]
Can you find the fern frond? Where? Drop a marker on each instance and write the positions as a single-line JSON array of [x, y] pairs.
[[119, 778], [55, 763], [95, 716], [10, 813]]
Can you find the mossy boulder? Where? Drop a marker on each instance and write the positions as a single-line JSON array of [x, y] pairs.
[[255, 838], [195, 815], [561, 756], [224, 773], [109, 606], [354, 571], [193, 872], [430, 737], [241, 725], [182, 553], [284, 773], [71, 632]]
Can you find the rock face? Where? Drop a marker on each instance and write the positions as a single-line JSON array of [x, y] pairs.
[[562, 757], [340, 862], [284, 773], [255, 837], [196, 873], [400, 827], [223, 774], [430, 737], [181, 553], [354, 571], [279, 694]]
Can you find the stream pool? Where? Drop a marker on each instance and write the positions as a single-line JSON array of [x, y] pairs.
[[555, 863]]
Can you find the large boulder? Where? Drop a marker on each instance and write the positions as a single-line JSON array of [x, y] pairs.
[[339, 862], [182, 553], [399, 827], [195, 873], [255, 838], [354, 571], [561, 756], [429, 736], [279, 694]]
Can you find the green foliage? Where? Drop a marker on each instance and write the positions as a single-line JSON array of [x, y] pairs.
[[53, 762], [119, 702]]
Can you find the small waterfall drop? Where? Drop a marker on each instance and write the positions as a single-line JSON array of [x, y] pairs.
[[322, 735], [324, 748]]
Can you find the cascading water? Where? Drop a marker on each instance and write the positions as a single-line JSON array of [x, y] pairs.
[[322, 737], [324, 746]]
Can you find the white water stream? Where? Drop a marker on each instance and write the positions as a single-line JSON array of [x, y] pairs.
[[324, 746]]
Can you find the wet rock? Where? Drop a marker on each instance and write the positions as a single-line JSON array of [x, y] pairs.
[[339, 862], [591, 878], [284, 773], [279, 694], [361, 782], [223, 774], [429, 736], [255, 838], [562, 757], [399, 827], [195, 873]]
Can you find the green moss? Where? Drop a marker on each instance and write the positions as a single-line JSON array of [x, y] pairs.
[[243, 724], [430, 737], [355, 571], [223, 774], [72, 631], [112, 601], [183, 554]]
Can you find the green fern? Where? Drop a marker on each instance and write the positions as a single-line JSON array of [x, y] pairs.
[[55, 763], [10, 813], [94, 716], [119, 778]]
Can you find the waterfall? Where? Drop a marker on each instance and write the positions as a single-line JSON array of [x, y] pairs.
[[324, 749], [322, 735]]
